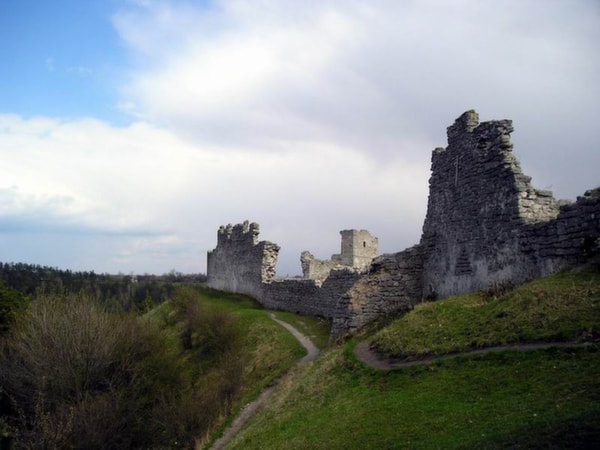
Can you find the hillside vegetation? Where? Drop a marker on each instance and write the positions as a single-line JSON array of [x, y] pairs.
[[76, 375], [563, 307], [536, 399]]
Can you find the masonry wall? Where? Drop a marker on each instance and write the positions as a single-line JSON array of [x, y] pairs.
[[240, 263], [571, 239], [486, 224], [358, 249], [392, 285], [306, 297], [317, 269]]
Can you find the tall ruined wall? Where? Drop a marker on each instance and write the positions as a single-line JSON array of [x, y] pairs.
[[317, 269], [485, 223], [240, 263], [571, 239], [392, 285]]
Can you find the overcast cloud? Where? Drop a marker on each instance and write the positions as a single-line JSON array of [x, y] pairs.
[[307, 117]]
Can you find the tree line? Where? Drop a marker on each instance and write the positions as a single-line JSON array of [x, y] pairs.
[[120, 291], [83, 366]]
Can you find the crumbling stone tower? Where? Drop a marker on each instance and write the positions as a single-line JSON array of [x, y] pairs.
[[240, 263], [486, 224], [358, 249]]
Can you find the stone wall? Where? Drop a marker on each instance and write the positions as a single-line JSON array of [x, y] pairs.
[[392, 285], [485, 224], [240, 263], [306, 297], [358, 249], [317, 269], [349, 296], [571, 239]]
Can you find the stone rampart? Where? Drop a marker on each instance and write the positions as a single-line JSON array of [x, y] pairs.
[[392, 285], [317, 269], [358, 250], [240, 263], [485, 224], [307, 297]]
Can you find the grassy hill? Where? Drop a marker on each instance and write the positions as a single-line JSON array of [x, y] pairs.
[[74, 374], [537, 399], [563, 307], [267, 349]]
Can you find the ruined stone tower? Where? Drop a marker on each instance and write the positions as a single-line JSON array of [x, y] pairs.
[[358, 249], [240, 263], [485, 224]]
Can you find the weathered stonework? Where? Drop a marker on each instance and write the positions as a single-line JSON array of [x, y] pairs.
[[358, 250], [240, 263], [392, 284], [485, 224]]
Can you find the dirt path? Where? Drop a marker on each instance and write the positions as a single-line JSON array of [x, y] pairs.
[[251, 408], [313, 351], [374, 360]]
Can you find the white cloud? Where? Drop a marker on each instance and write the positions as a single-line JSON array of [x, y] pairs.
[[153, 196], [364, 74], [98, 167], [308, 117]]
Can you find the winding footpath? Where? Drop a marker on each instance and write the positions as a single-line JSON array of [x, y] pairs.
[[253, 407], [372, 359]]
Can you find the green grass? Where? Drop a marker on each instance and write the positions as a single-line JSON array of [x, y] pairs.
[[317, 329], [563, 307], [269, 349], [488, 401], [536, 399]]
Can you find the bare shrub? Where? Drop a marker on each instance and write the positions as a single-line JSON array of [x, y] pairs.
[[496, 290], [77, 376], [58, 350]]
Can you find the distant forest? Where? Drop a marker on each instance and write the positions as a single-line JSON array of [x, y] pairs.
[[121, 292]]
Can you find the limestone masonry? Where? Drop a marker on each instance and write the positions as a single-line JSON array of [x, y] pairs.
[[485, 224], [359, 249]]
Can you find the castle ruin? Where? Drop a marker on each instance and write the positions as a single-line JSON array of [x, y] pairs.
[[485, 224], [359, 249]]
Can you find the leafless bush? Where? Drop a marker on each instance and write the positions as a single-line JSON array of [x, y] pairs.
[[78, 376], [496, 290]]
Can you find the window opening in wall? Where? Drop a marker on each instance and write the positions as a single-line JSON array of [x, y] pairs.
[[364, 244]]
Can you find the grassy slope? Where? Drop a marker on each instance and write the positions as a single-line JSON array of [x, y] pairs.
[[565, 306], [527, 399], [271, 349], [316, 329]]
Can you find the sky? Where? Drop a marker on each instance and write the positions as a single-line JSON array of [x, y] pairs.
[[131, 129]]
